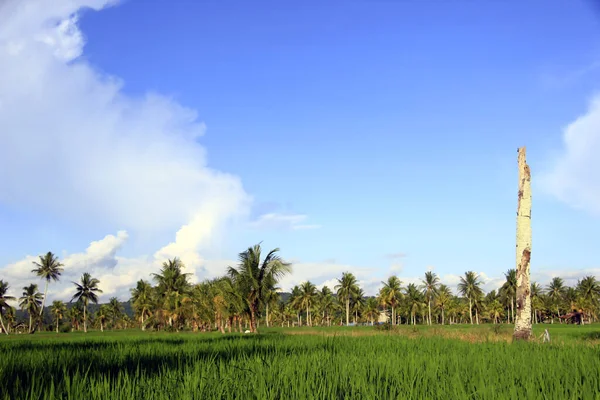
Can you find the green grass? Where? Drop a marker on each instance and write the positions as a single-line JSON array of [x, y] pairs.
[[334, 363]]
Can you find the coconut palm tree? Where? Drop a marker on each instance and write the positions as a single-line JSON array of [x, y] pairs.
[[4, 298], [103, 314], [414, 301], [308, 294], [326, 303], [494, 310], [358, 301], [346, 288], [85, 292], [254, 279], [58, 310], [556, 292], [470, 287], [271, 299], [430, 289], [172, 285], [371, 309], [536, 293], [74, 314], [141, 300], [588, 289], [30, 301], [509, 290], [443, 299], [115, 311], [391, 294], [49, 269], [10, 317]]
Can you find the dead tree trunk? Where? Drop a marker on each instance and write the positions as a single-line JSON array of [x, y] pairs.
[[523, 317]]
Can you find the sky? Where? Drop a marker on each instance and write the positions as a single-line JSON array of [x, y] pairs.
[[376, 137]]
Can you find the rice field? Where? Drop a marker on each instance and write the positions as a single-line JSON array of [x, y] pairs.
[[325, 363]]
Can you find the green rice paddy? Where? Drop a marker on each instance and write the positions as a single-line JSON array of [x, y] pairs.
[[326, 363]]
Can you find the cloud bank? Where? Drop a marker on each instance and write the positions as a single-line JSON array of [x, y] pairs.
[[574, 176], [74, 146]]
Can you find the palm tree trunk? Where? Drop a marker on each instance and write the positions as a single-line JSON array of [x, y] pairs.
[[348, 311], [442, 316], [470, 311], [393, 315], [476, 316], [267, 316], [84, 318], [2, 324], [253, 310], [57, 320], [558, 314], [44, 299], [307, 316], [512, 309], [429, 311]]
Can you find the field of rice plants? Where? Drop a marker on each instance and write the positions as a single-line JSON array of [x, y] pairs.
[[326, 363]]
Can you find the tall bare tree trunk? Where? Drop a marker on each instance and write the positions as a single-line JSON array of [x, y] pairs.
[[523, 317]]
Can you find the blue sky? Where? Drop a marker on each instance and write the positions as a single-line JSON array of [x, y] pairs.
[[348, 131]]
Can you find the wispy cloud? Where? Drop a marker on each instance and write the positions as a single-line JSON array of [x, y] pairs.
[[565, 79], [396, 256], [282, 222]]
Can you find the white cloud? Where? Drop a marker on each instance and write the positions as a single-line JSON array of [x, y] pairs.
[[89, 152], [74, 146], [282, 221], [574, 177]]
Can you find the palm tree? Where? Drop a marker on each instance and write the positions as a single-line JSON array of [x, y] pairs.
[[346, 289], [536, 293], [102, 315], [295, 303], [85, 292], [509, 290], [3, 302], [58, 310], [308, 293], [49, 269], [271, 298], [556, 292], [172, 285], [430, 289], [371, 311], [443, 299], [326, 302], [30, 301], [115, 310], [470, 288], [494, 310], [358, 301], [391, 294], [74, 314], [588, 289], [141, 300], [414, 301], [254, 279]]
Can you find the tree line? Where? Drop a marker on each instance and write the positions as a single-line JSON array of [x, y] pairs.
[[248, 295]]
